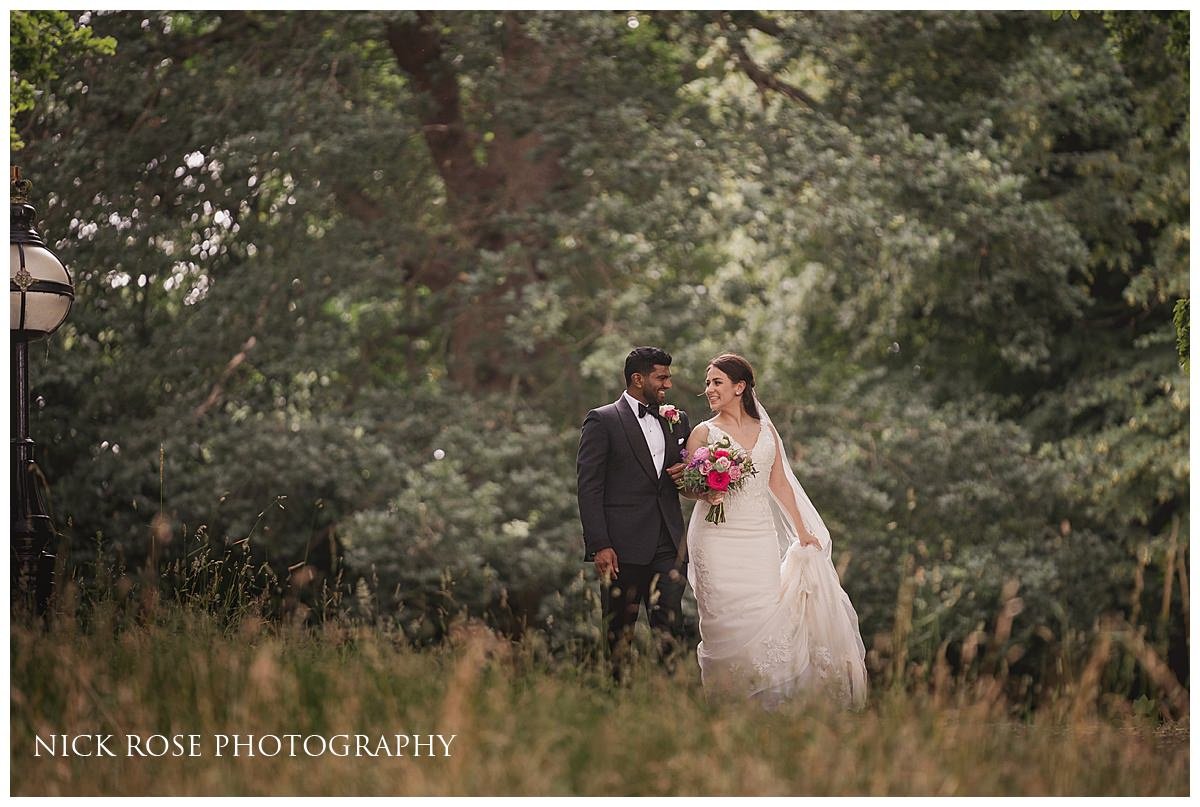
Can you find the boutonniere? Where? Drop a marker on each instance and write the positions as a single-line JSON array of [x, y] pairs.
[[670, 414]]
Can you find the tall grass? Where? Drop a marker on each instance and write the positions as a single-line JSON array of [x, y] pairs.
[[528, 723]]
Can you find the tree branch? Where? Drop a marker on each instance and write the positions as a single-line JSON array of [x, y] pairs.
[[357, 203], [754, 19], [232, 24], [218, 389], [418, 50], [762, 78]]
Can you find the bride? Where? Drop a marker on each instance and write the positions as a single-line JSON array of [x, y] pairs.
[[775, 623]]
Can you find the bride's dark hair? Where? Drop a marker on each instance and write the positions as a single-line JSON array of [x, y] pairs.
[[738, 369]]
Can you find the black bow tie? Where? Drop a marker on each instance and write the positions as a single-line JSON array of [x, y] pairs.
[[643, 409]]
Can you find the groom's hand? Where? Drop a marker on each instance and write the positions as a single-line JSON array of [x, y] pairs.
[[606, 564], [676, 472]]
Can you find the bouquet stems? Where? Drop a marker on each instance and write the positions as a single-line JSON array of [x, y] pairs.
[[716, 514]]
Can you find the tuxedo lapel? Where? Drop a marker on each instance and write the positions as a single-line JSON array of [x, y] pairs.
[[637, 439]]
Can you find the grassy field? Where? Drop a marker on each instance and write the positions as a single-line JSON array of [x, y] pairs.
[[527, 724]]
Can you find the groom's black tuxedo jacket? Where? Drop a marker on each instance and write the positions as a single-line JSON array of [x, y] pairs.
[[623, 504]]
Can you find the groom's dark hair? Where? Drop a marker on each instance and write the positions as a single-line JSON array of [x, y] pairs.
[[642, 360]]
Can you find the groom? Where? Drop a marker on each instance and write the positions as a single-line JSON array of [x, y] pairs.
[[629, 460]]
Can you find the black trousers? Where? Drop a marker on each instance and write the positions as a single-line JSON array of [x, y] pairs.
[[657, 585]]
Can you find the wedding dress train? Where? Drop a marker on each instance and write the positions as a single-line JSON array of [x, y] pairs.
[[775, 623]]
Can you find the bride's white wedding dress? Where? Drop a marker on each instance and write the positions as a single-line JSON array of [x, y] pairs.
[[775, 623]]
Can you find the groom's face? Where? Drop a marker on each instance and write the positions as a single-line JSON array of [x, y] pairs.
[[655, 385]]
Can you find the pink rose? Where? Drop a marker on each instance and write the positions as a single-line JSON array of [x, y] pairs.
[[718, 480], [735, 473], [722, 465], [706, 467], [701, 453]]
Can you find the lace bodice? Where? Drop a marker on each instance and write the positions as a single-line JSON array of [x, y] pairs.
[[755, 489]]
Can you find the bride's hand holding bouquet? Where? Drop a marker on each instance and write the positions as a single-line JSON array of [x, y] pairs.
[[713, 470]]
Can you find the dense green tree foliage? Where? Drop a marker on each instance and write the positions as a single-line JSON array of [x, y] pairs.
[[40, 43], [312, 248]]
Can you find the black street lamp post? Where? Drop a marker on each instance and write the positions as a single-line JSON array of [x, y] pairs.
[[40, 295]]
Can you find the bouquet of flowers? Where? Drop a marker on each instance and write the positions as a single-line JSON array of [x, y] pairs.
[[717, 466]]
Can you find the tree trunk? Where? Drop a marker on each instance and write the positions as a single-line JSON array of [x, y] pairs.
[[516, 178]]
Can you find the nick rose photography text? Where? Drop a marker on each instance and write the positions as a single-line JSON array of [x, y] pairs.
[[244, 745]]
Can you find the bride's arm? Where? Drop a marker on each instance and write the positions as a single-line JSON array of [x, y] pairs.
[[787, 497], [698, 438]]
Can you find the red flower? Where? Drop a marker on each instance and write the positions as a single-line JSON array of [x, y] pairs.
[[718, 480], [720, 452]]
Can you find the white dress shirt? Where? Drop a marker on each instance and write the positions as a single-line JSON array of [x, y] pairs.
[[652, 429]]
